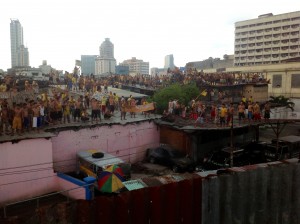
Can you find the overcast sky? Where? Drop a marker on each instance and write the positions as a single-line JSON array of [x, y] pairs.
[[60, 31]]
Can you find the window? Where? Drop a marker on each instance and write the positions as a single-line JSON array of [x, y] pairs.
[[295, 81], [277, 81]]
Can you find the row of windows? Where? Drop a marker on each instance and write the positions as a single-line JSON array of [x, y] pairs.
[[268, 56], [292, 42], [268, 30], [257, 63], [269, 23], [286, 48], [277, 81], [287, 34]]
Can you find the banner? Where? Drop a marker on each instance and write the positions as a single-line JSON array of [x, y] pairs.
[[140, 108]]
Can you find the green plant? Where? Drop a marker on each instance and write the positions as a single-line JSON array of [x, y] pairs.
[[281, 101], [183, 93]]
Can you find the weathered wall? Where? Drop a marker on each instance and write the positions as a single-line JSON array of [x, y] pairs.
[[26, 169], [128, 142], [178, 139]]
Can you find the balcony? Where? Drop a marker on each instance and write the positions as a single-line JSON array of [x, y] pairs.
[[267, 51], [275, 56], [252, 53], [294, 41], [251, 40], [295, 27], [284, 51], [294, 49], [250, 60], [277, 37], [285, 43], [251, 47], [284, 56], [252, 34], [293, 54]]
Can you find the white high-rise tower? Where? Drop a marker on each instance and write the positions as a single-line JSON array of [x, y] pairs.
[[106, 63], [19, 53], [169, 61]]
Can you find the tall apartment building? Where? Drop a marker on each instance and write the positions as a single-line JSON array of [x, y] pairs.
[[169, 62], [137, 66], [269, 39], [19, 53], [105, 63]]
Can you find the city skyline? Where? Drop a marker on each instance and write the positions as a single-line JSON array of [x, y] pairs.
[[145, 30]]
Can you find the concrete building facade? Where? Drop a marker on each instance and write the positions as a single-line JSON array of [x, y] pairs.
[[212, 63], [88, 63], [284, 78], [45, 68], [19, 53], [137, 66], [269, 39], [122, 70]]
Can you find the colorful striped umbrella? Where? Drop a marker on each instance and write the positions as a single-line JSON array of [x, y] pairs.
[[110, 180]]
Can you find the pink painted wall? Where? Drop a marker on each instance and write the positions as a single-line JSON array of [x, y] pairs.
[[129, 142], [26, 169]]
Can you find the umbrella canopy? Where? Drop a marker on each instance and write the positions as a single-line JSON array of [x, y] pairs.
[[110, 180]]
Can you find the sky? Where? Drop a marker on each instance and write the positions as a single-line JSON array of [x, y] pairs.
[[60, 31]]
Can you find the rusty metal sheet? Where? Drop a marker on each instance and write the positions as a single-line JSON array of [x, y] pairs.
[[122, 203], [197, 197], [139, 207], [105, 209], [185, 195], [156, 212], [83, 212], [171, 203]]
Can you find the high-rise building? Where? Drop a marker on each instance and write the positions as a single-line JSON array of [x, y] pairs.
[[88, 64], [137, 66], [19, 53], [106, 49], [105, 63], [269, 39], [169, 62]]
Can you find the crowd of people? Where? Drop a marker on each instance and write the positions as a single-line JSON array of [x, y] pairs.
[[63, 107], [191, 75], [220, 114], [58, 106]]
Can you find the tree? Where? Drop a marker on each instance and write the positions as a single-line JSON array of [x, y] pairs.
[[183, 93], [281, 101]]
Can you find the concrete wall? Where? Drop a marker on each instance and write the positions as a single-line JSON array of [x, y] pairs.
[[26, 169], [128, 142]]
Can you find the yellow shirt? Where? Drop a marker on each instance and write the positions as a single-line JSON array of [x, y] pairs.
[[223, 112]]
